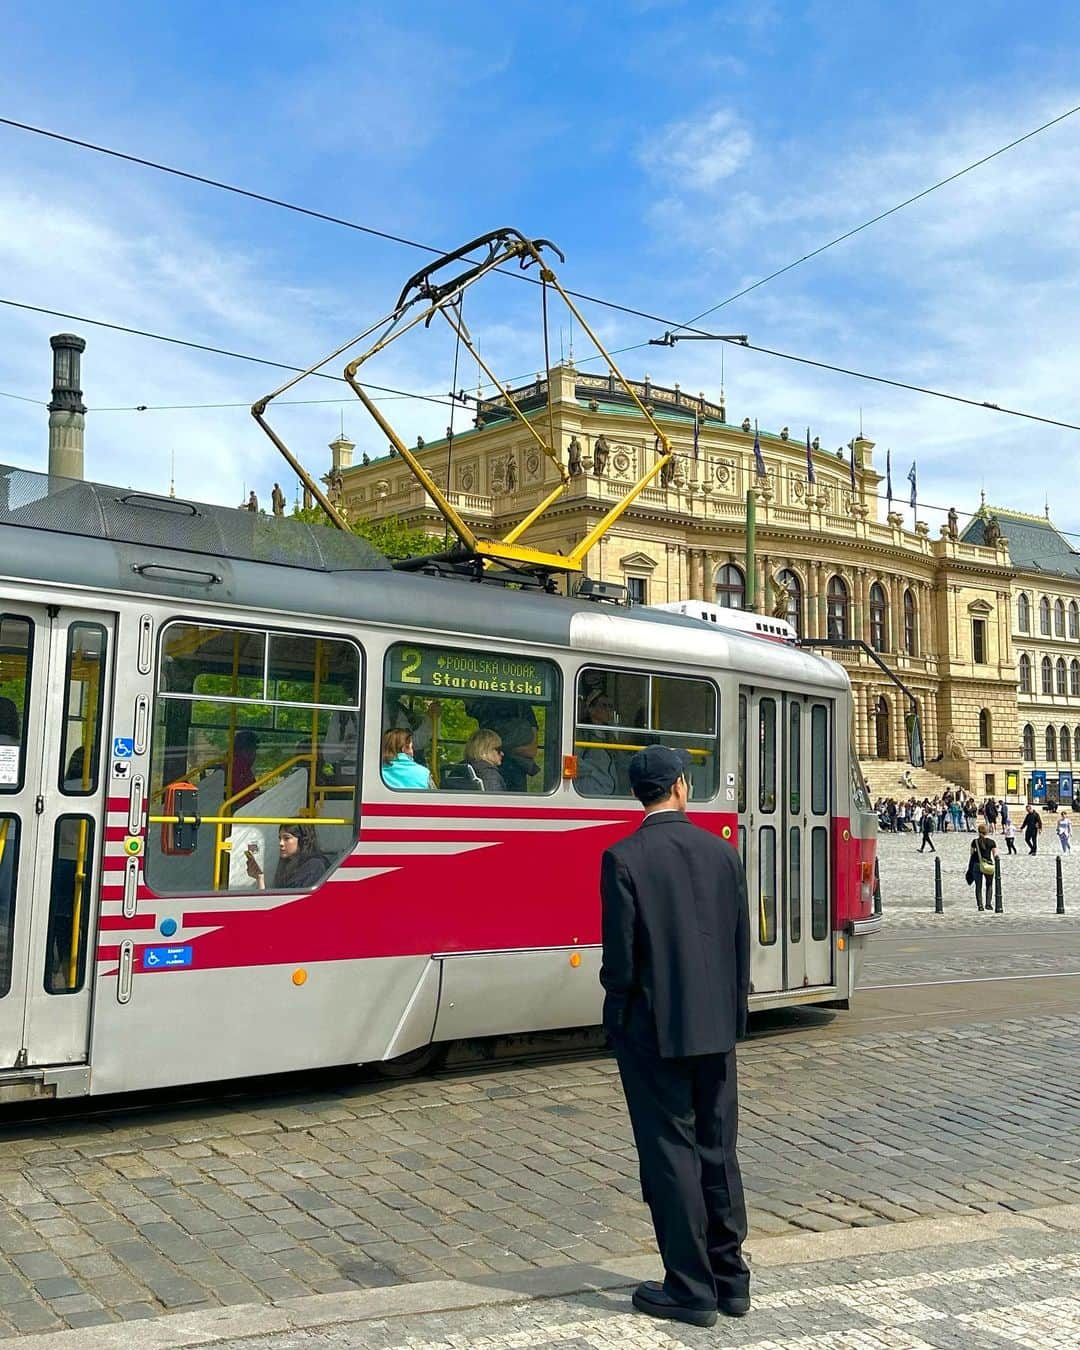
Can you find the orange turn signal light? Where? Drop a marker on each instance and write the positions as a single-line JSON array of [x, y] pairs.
[[569, 766], [299, 977], [575, 959]]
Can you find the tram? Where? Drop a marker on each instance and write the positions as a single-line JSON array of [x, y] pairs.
[[180, 682]]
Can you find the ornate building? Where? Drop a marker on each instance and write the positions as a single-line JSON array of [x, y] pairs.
[[940, 611]]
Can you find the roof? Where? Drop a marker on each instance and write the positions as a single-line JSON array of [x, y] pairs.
[[1035, 544]]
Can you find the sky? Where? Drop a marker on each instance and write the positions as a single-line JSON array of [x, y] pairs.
[[676, 152]]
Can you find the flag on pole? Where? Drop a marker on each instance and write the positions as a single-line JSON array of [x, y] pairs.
[[851, 468], [758, 458], [888, 477], [914, 488], [695, 437], [811, 477]]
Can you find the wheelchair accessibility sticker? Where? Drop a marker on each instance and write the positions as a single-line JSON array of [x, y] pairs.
[[166, 958], [123, 747]]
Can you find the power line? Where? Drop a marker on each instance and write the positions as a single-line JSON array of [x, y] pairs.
[[21, 398], [882, 215]]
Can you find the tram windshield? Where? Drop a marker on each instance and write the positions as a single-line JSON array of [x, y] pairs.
[[264, 727]]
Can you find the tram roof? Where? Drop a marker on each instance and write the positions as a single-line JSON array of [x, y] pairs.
[[93, 537]]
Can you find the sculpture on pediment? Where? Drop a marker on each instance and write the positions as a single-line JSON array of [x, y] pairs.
[[600, 456], [991, 532], [954, 523], [573, 457], [511, 473]]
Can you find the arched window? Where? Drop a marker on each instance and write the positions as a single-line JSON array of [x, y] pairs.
[[793, 586], [879, 618], [1046, 670], [1074, 619], [1044, 616], [838, 605], [984, 728], [1065, 742], [1025, 673], [1074, 676], [1029, 741], [730, 587], [909, 623], [1076, 743], [1061, 678], [1023, 612], [1051, 743], [1059, 618]]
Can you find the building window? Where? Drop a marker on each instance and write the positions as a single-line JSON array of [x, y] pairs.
[[1025, 673], [477, 721], [620, 711], [267, 725], [838, 605], [909, 623], [1046, 673], [1023, 613], [879, 618], [1061, 678], [637, 589], [984, 728], [1076, 743], [1074, 677], [1050, 744], [1044, 616], [1029, 741], [1059, 618], [730, 587], [793, 586], [1065, 742], [1074, 619], [978, 641]]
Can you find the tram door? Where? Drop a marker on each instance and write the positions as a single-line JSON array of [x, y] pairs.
[[785, 801], [54, 701]]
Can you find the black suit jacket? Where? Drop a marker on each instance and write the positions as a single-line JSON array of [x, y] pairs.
[[676, 967]]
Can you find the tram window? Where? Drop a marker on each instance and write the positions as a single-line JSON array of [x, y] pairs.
[[794, 757], [819, 760], [263, 724], [16, 643], [84, 692], [819, 883], [766, 886], [795, 882], [477, 721], [767, 755], [69, 905], [619, 712], [742, 754], [9, 872]]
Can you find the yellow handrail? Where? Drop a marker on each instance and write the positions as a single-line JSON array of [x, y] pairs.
[[250, 820], [620, 745]]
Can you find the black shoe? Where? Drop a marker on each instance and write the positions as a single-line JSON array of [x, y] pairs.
[[734, 1307], [652, 1298]]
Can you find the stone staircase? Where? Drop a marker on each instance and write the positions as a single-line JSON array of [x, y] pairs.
[[883, 779]]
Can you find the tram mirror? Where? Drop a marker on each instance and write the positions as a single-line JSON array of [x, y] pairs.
[[180, 829]]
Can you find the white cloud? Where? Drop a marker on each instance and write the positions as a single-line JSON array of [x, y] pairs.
[[698, 153]]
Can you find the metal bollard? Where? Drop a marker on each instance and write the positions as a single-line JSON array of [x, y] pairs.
[[1060, 890], [997, 885], [877, 888], [939, 903]]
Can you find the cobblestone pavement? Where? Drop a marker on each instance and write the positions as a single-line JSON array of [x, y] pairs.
[[1015, 1289], [1028, 885], [133, 1213]]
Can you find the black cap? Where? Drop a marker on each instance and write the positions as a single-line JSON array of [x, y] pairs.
[[655, 769]]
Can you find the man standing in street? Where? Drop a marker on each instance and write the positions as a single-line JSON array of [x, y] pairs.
[[676, 974], [1031, 826]]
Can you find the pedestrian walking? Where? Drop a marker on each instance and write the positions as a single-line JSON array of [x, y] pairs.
[[1009, 831], [676, 975], [927, 830], [980, 868], [1064, 832], [1032, 826]]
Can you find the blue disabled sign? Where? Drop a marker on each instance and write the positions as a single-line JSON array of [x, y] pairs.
[[1038, 785], [166, 958], [123, 747]]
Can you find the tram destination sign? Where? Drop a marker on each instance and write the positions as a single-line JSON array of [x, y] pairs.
[[429, 670]]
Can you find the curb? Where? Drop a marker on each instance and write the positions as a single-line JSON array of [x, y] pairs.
[[211, 1326]]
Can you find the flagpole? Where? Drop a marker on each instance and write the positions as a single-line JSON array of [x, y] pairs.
[[751, 548]]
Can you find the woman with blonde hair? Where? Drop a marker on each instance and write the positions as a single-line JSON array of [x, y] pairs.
[[484, 755]]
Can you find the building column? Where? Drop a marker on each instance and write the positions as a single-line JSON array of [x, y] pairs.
[[896, 614], [701, 564], [821, 601]]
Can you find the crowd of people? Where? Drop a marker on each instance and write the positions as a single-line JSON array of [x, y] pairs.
[[962, 812]]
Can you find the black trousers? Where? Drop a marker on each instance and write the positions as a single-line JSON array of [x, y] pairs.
[[685, 1117]]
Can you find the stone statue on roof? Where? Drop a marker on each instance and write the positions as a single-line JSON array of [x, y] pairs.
[[954, 523], [991, 532], [600, 456], [573, 457], [277, 500]]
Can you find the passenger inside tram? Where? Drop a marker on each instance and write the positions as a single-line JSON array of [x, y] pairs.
[[301, 863], [399, 766], [9, 722]]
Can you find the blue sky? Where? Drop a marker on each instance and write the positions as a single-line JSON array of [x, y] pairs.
[[675, 151]]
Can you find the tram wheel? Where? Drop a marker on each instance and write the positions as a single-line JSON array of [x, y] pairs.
[[411, 1064]]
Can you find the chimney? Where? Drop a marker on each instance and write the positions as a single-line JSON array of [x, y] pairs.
[[67, 412], [341, 449]]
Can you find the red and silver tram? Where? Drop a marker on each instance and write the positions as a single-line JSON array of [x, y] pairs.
[[177, 682]]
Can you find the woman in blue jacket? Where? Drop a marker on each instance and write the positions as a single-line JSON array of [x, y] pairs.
[[399, 769]]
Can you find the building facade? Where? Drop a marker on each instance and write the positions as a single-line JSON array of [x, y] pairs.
[[941, 613]]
